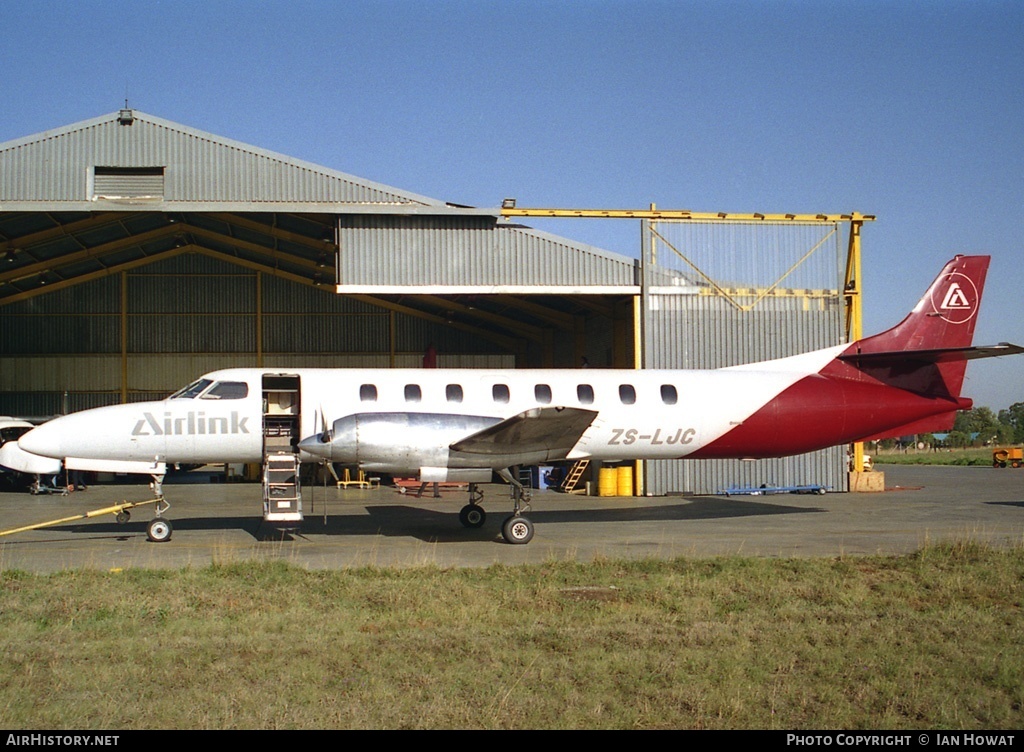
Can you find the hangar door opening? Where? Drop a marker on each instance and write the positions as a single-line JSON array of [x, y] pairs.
[[719, 294]]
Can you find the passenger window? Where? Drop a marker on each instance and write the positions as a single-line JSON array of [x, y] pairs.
[[499, 393], [413, 393], [453, 393], [228, 390], [542, 393], [368, 393], [627, 394], [669, 395], [585, 394]]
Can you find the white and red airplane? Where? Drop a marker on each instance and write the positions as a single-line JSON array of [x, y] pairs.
[[462, 425]]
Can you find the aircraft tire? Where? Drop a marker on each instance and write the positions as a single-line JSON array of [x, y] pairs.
[[517, 530], [158, 530], [472, 516]]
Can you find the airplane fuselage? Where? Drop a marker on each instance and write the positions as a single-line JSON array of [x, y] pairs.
[[406, 420]]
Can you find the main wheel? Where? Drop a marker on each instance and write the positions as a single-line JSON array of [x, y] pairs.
[[158, 530], [517, 530], [472, 516]]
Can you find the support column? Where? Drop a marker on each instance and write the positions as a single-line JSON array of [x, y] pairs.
[[259, 319], [124, 338], [860, 481]]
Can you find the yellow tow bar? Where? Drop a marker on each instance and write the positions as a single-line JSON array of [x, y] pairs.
[[117, 509]]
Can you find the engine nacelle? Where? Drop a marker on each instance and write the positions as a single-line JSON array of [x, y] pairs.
[[394, 442]]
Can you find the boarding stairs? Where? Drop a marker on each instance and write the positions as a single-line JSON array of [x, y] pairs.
[[282, 494]]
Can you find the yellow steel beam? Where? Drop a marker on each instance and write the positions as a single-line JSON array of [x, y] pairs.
[[42, 236], [854, 314], [30, 270], [685, 214], [72, 281], [326, 246]]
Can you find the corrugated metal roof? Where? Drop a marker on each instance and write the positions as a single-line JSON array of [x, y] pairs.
[[198, 168]]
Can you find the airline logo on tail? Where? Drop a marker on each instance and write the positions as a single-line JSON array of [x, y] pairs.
[[959, 299]]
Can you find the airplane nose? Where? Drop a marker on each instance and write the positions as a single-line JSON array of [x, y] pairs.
[[44, 440]]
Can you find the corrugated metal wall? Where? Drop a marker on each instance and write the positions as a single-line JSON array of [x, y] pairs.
[[696, 326], [469, 252]]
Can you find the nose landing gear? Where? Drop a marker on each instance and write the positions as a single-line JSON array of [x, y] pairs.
[[159, 529]]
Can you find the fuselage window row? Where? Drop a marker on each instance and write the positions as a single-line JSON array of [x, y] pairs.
[[501, 393]]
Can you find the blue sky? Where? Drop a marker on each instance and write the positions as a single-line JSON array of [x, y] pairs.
[[913, 111]]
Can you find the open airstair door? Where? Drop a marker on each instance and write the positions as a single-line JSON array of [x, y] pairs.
[[281, 401], [282, 495]]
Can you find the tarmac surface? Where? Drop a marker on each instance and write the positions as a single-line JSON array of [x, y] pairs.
[[343, 528]]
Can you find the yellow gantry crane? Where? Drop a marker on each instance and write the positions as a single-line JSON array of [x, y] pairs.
[[851, 281]]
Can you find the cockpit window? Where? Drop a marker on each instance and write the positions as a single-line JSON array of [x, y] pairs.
[[228, 390], [191, 390]]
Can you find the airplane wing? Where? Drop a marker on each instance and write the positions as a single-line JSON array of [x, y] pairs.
[[548, 432]]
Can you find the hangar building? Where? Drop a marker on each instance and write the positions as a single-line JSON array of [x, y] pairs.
[[138, 253]]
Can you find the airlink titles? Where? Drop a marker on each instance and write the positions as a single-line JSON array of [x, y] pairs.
[[190, 424]]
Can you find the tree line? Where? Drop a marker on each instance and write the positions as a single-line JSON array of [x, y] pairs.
[[980, 425]]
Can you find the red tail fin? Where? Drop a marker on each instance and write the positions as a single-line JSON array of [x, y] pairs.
[[944, 317], [942, 322]]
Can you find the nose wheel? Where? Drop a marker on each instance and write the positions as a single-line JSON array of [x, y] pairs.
[[159, 529]]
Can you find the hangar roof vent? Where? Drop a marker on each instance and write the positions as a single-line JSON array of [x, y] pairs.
[[128, 182]]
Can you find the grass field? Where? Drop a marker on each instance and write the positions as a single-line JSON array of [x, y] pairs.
[[981, 457], [931, 640]]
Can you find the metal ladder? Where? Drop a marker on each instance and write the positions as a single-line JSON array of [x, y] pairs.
[[568, 484]]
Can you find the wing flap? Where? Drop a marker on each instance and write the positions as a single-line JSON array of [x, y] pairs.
[[550, 431]]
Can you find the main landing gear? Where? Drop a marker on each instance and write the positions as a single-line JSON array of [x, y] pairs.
[[516, 529]]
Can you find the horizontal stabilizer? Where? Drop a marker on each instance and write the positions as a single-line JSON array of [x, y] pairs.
[[937, 355], [549, 430]]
